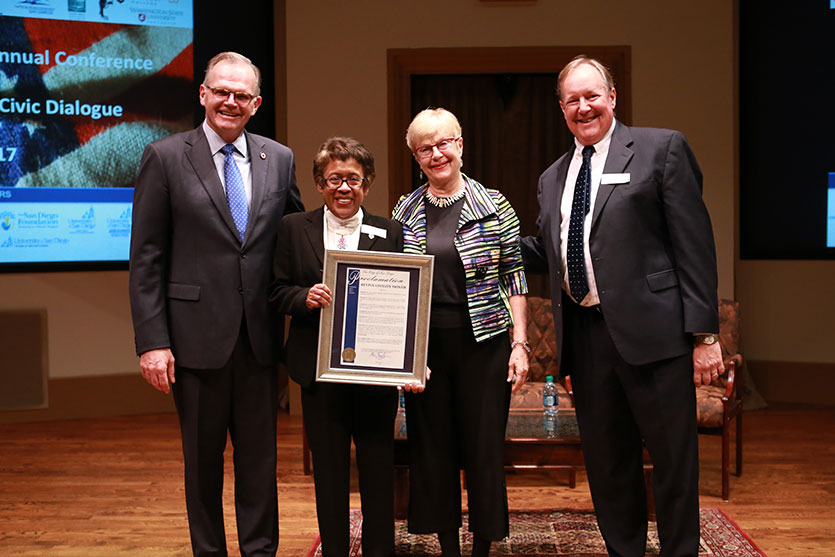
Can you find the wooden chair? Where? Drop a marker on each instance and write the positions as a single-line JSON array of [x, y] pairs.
[[720, 402]]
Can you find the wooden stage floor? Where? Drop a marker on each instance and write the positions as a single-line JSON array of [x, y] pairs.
[[113, 486]]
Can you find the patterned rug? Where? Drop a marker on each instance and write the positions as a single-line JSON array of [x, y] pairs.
[[562, 532]]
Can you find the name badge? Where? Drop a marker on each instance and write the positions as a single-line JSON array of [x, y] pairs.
[[373, 231], [615, 178]]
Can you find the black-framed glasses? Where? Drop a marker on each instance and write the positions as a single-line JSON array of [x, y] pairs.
[[425, 151], [335, 182], [241, 97]]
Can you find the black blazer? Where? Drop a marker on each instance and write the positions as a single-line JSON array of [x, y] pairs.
[[299, 260], [651, 245], [192, 279]]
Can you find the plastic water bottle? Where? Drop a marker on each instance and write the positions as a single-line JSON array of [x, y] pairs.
[[549, 425], [549, 396], [401, 407]]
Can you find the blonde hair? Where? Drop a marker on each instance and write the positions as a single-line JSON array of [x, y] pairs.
[[605, 74], [428, 122]]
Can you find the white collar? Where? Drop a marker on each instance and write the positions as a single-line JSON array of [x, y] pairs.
[[340, 226], [602, 146], [216, 142]]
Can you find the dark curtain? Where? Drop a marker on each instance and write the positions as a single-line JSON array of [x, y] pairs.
[[513, 130]]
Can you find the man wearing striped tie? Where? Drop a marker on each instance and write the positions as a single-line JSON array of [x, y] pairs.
[[207, 207]]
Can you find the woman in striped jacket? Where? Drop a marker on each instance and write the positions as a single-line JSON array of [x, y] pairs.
[[478, 292]]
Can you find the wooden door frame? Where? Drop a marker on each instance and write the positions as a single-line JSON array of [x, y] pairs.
[[403, 63]]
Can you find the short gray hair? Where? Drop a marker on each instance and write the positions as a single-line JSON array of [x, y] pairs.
[[235, 58]]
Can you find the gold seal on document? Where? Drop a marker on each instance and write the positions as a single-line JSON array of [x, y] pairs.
[[349, 355]]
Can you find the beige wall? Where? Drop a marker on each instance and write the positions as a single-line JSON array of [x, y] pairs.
[[88, 319], [683, 78], [787, 311]]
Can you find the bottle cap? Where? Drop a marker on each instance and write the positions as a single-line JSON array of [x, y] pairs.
[[549, 378]]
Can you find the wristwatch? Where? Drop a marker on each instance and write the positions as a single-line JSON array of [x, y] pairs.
[[706, 339]]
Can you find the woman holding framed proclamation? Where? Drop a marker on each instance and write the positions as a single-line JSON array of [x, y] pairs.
[[336, 413]]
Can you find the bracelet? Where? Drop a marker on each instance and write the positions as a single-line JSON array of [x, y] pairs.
[[523, 343]]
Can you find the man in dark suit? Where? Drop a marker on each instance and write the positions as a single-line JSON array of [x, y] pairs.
[[207, 206], [628, 244]]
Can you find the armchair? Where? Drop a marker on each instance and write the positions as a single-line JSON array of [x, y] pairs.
[[542, 359], [717, 404], [720, 402]]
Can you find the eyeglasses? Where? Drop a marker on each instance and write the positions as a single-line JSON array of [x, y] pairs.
[[241, 97], [425, 151], [335, 182]]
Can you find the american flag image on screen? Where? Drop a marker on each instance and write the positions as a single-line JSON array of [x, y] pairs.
[[79, 100]]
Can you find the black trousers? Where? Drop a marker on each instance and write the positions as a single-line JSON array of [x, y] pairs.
[[621, 408], [240, 398], [334, 414], [459, 422]]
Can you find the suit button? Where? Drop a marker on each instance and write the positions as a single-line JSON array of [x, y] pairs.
[[241, 291], [243, 255]]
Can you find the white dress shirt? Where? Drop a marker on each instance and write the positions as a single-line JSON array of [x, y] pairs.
[[598, 161], [241, 156]]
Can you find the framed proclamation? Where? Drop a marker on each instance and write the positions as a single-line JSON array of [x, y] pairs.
[[375, 330]]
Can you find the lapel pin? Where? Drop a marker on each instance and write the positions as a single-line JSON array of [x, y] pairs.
[[263, 156]]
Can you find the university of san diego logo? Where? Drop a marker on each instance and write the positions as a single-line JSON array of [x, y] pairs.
[[86, 224]]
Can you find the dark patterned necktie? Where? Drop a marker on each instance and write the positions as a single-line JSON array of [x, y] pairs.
[[235, 192], [575, 253]]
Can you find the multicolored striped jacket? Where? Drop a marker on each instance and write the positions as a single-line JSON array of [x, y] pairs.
[[488, 244]]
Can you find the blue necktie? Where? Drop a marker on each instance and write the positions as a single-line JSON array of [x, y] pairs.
[[235, 192], [575, 254]]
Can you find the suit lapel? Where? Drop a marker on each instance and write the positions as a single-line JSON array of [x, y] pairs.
[[200, 156], [258, 166], [315, 235], [616, 161], [559, 188], [198, 153]]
